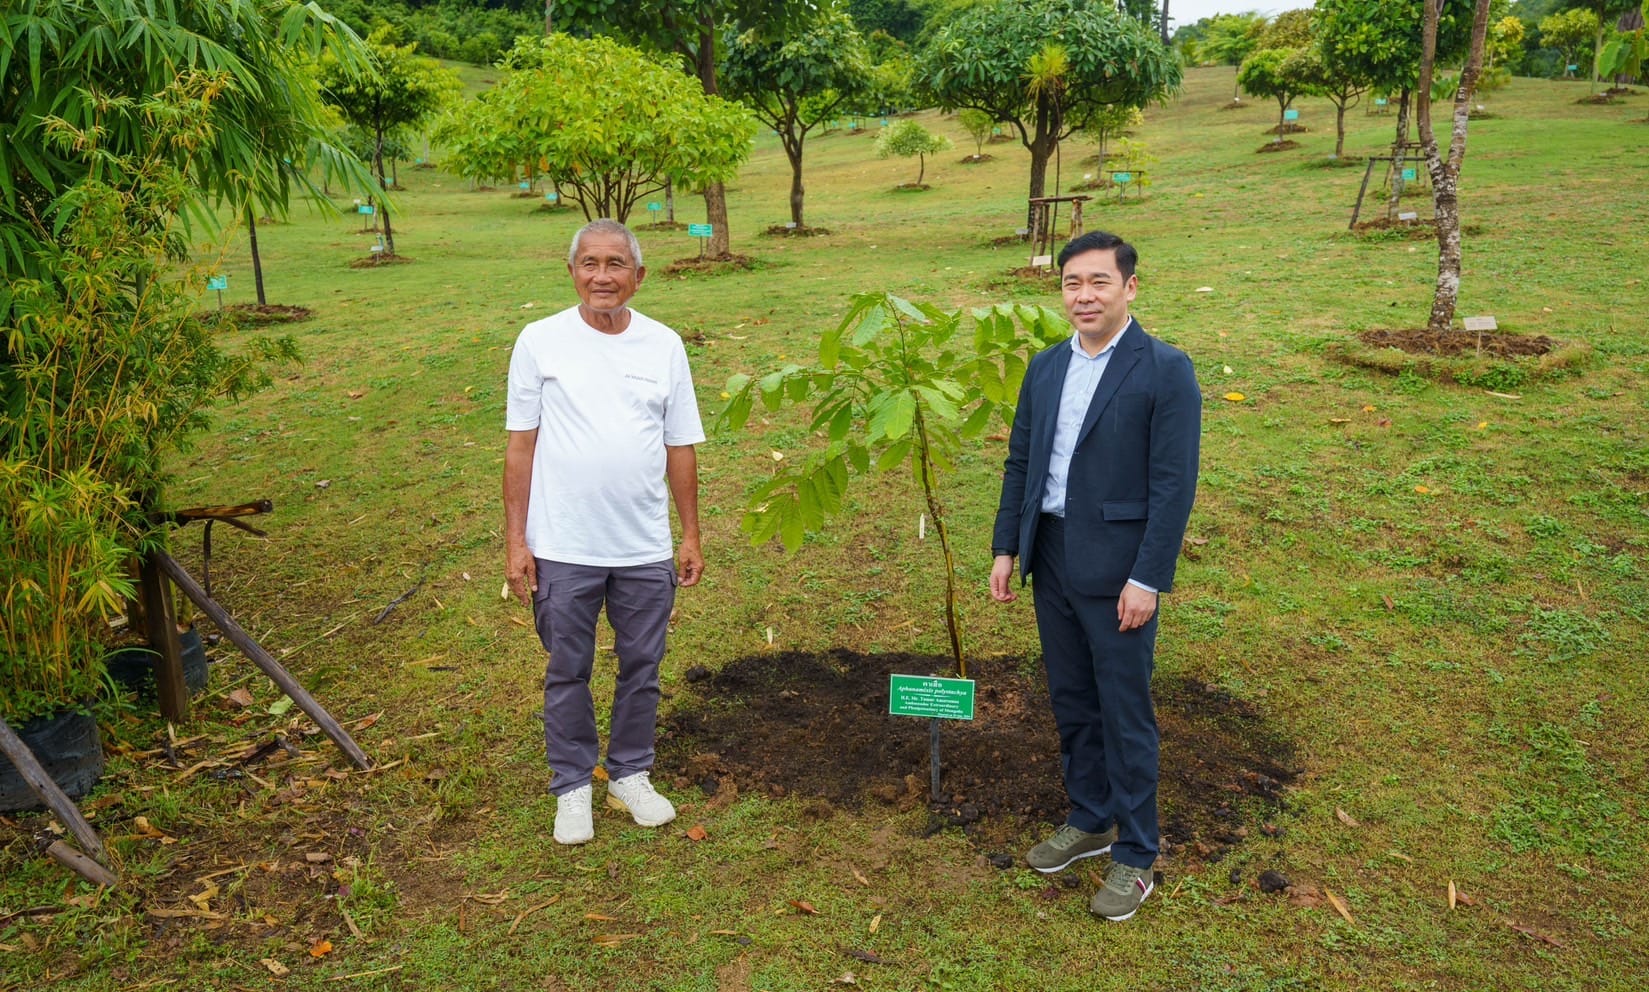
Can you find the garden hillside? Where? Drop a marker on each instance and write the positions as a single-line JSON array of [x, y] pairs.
[[1413, 598]]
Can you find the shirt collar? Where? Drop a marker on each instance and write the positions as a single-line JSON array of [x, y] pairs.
[[1076, 344]]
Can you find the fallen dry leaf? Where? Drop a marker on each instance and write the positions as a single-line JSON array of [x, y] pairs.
[[860, 876], [1339, 420], [804, 906], [489, 898], [1345, 818], [276, 968], [1368, 408], [240, 698], [1339, 907], [1386, 599], [1422, 489], [320, 948], [1304, 897], [612, 939], [367, 721], [697, 832], [317, 857], [1533, 934], [1383, 422], [846, 979], [531, 910], [603, 917], [356, 394], [875, 922], [1235, 397]]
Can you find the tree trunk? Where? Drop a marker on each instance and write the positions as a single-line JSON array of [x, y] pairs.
[[669, 201], [1041, 147], [1445, 175], [1597, 55], [257, 260], [1339, 129], [1395, 182], [921, 167], [378, 166], [1165, 23], [715, 194], [794, 153], [549, 17]]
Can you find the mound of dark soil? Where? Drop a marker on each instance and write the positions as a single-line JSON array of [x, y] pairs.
[[781, 231], [817, 727], [374, 261], [710, 265], [974, 159], [1286, 128], [253, 315], [1278, 146], [1420, 341], [663, 225], [997, 139]]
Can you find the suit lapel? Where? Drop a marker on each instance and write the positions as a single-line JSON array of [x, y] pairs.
[[1123, 360]]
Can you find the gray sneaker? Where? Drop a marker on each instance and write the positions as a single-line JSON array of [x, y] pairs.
[[1124, 889], [1068, 845]]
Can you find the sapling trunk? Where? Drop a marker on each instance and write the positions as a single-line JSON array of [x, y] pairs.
[[932, 497]]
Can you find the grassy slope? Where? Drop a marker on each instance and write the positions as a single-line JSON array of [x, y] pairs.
[[1460, 666]]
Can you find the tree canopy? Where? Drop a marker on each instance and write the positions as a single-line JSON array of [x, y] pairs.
[[908, 139], [611, 124], [984, 59], [797, 81]]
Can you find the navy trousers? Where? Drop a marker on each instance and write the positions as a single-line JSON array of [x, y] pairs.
[[1099, 681]]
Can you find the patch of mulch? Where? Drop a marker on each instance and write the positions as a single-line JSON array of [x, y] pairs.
[[1103, 182], [1286, 128], [525, 194], [254, 315], [1620, 91], [375, 261], [710, 265], [663, 225], [997, 139], [1278, 146], [1596, 100], [1421, 341], [974, 159], [785, 231], [1009, 240], [911, 188], [1233, 105], [816, 727], [1420, 228], [1034, 273]]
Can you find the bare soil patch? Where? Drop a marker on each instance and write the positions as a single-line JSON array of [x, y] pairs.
[[975, 159], [663, 225], [256, 315], [374, 261], [782, 231], [710, 265], [816, 727], [1421, 341], [1596, 100], [1286, 128], [911, 188], [997, 139], [1278, 146]]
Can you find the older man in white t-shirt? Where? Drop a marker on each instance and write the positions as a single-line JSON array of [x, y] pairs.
[[602, 422]]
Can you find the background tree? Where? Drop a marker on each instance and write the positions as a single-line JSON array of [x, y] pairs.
[[1380, 40], [689, 29], [1604, 13], [1445, 173], [612, 125], [1112, 122], [1505, 44], [982, 60], [1569, 32], [1335, 80], [1229, 39], [1289, 29], [900, 19], [979, 126], [1623, 57], [401, 89], [794, 83], [908, 138], [1273, 72]]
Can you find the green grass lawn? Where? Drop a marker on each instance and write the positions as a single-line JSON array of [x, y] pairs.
[[1438, 593]]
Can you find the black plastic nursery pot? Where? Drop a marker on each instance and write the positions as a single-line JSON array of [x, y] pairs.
[[133, 668], [69, 748]]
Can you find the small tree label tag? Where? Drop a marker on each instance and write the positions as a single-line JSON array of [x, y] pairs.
[[700, 230], [364, 210], [1409, 174], [930, 696], [1041, 261], [1408, 216], [1291, 114], [1481, 324]]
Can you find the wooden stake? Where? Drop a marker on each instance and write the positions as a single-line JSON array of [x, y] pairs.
[[263, 659], [162, 635], [81, 865]]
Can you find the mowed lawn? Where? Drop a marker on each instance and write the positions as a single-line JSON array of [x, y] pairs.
[[1437, 592]]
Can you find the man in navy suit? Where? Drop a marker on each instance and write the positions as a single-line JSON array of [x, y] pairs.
[[1096, 491]]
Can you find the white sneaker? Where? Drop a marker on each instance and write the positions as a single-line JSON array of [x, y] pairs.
[[635, 795], [573, 824]]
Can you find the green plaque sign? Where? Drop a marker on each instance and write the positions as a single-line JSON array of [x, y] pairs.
[[219, 283], [930, 696], [1408, 175], [699, 230], [1122, 178], [1291, 115]]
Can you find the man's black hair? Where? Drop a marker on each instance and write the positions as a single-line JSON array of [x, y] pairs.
[[1127, 257]]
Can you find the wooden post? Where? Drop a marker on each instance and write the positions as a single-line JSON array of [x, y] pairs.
[[81, 865], [1368, 172], [161, 630], [263, 659], [54, 798]]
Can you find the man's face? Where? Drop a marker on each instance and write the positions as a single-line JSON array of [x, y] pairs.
[[604, 274], [1096, 294]]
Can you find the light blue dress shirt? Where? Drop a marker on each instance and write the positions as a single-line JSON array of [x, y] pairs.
[[1081, 379]]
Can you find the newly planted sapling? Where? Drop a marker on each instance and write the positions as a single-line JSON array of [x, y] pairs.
[[897, 384]]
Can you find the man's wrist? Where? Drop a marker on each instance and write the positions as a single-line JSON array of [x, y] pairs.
[[999, 553]]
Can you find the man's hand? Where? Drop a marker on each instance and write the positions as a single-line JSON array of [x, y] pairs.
[[521, 572], [1002, 579], [1135, 607], [689, 562]]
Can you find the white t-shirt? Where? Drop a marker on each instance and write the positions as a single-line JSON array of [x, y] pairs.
[[604, 406]]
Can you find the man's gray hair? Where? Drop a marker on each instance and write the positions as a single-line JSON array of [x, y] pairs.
[[605, 226]]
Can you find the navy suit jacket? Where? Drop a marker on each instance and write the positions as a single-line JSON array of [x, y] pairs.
[[1133, 472]]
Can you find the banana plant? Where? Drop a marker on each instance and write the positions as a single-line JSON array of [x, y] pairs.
[[897, 385]]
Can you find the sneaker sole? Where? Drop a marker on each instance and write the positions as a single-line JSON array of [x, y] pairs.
[[613, 802], [571, 843], [1149, 888], [1073, 860]]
